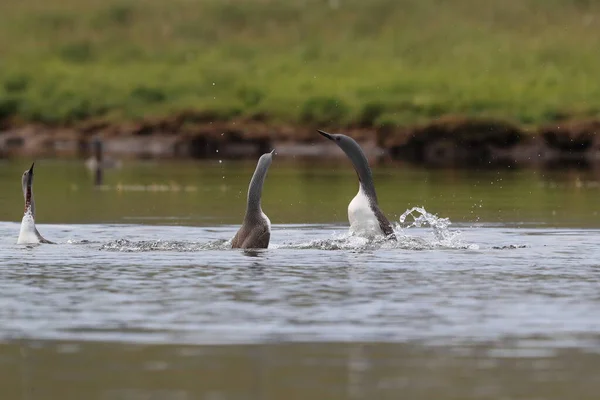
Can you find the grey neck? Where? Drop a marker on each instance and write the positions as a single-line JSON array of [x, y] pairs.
[[365, 177], [253, 208]]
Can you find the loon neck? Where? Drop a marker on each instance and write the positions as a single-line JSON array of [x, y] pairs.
[[253, 208], [367, 187], [30, 203]]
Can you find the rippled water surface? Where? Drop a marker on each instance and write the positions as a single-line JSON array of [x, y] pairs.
[[491, 292]]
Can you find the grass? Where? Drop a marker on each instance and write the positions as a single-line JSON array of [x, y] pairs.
[[326, 62]]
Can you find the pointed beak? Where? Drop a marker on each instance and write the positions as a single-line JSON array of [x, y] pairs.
[[327, 135], [30, 176], [273, 152]]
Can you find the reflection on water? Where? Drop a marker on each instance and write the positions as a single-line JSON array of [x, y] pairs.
[[209, 193], [143, 299], [361, 370]]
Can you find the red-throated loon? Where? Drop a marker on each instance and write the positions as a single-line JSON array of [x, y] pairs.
[[364, 214], [255, 231], [29, 233], [97, 163]]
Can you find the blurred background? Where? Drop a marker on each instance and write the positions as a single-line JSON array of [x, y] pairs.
[[217, 73]]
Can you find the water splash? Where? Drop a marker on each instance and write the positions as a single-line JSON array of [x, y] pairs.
[[124, 245], [79, 242], [443, 238], [344, 241], [439, 225], [442, 235]]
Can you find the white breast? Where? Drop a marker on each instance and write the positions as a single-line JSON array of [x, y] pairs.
[[268, 221], [27, 233], [362, 218]]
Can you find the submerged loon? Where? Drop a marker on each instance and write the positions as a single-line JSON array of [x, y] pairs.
[[363, 211], [255, 231], [97, 163], [29, 233]]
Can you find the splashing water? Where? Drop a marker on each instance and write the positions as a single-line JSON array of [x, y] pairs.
[[439, 225], [344, 241], [124, 245], [443, 236]]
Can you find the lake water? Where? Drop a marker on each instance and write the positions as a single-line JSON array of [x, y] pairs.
[[492, 291]]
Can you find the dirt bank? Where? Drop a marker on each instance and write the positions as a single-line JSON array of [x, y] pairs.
[[484, 142], [450, 141]]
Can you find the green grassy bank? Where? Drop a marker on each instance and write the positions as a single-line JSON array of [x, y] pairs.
[[328, 62]]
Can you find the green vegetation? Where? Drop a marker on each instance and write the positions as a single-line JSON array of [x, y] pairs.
[[328, 62]]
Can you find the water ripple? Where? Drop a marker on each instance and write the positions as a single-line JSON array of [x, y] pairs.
[[183, 284]]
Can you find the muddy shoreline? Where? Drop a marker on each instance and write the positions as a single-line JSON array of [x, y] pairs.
[[445, 142]]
